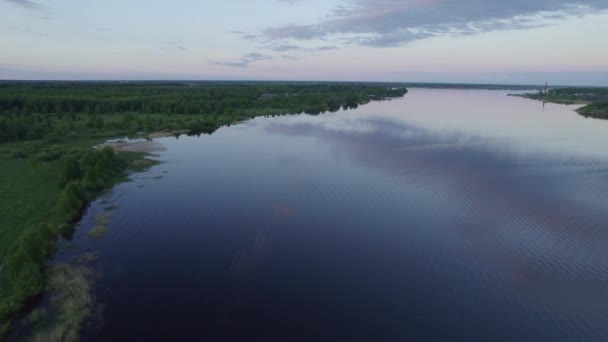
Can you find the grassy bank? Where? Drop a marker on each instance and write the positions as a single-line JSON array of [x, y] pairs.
[[43, 200]]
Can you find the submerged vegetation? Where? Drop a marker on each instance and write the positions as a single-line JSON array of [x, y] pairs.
[[50, 172], [101, 226], [72, 301], [595, 99]]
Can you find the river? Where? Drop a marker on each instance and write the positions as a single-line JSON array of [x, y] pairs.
[[446, 214]]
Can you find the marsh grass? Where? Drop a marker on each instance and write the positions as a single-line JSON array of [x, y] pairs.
[[102, 219], [72, 302], [101, 228], [97, 232]]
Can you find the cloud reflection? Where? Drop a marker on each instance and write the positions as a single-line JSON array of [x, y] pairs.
[[495, 201]]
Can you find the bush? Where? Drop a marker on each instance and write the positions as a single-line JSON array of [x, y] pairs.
[[19, 154], [70, 169], [30, 280], [70, 202], [52, 153]]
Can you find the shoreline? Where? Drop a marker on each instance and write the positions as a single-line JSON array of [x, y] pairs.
[[29, 280], [588, 109]]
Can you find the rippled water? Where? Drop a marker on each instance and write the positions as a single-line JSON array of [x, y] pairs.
[[448, 214]]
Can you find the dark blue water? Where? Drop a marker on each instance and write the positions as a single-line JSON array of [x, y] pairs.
[[447, 214]]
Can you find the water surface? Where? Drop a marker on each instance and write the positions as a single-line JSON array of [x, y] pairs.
[[448, 214]]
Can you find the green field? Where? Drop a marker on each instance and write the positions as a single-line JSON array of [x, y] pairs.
[[27, 194]]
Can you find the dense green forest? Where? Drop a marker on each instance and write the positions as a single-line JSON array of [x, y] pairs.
[[29, 109], [596, 99], [579, 94], [50, 172], [597, 110]]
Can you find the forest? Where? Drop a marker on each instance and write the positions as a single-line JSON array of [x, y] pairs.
[[29, 110]]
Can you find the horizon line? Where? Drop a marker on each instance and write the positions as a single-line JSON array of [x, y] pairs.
[[292, 81]]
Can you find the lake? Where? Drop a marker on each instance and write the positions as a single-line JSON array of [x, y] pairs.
[[447, 214]]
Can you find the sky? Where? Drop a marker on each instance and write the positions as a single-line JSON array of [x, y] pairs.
[[459, 41]]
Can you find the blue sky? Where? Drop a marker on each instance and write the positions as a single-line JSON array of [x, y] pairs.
[[473, 41]]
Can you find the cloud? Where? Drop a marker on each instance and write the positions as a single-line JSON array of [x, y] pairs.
[[256, 56], [245, 60], [284, 47], [297, 48], [28, 31], [289, 57], [27, 4], [173, 46], [385, 23], [243, 34], [327, 48]]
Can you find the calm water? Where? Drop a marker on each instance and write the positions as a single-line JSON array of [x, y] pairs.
[[448, 214]]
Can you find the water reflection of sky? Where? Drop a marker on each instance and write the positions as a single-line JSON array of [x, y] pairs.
[[446, 214], [492, 114], [532, 201]]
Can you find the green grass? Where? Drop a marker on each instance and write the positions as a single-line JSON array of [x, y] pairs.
[[27, 193]]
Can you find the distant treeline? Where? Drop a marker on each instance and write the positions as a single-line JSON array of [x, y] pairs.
[[28, 110], [597, 110], [595, 97], [581, 94], [222, 99]]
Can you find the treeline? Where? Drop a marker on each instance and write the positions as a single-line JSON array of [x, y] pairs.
[[16, 127], [81, 177], [572, 95], [28, 111], [23, 127], [597, 110], [596, 97], [219, 99], [581, 94]]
